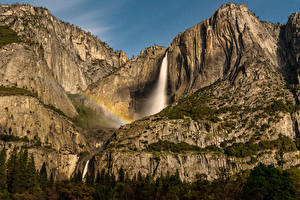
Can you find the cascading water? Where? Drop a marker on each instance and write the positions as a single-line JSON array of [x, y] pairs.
[[158, 98], [85, 171]]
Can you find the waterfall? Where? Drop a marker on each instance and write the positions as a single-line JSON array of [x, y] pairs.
[[158, 98], [85, 171]]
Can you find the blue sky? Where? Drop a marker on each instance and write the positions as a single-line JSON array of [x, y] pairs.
[[133, 25]]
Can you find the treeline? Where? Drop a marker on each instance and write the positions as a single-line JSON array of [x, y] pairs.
[[20, 180], [18, 176]]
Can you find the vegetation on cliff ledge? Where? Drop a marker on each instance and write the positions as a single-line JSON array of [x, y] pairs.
[[8, 36], [282, 144]]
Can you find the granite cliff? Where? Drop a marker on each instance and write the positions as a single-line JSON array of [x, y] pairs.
[[75, 57], [232, 87], [43, 60]]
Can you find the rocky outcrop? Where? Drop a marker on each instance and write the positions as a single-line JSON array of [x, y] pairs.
[[75, 57]]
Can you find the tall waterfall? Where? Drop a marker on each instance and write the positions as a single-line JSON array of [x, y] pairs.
[[85, 171], [158, 98]]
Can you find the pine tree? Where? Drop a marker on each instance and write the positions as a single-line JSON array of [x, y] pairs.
[[43, 181], [140, 178], [21, 176], [3, 174], [98, 178], [90, 177], [102, 177], [121, 175], [12, 171], [51, 180], [32, 183]]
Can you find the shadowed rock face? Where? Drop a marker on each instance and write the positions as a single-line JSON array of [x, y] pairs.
[[290, 54]]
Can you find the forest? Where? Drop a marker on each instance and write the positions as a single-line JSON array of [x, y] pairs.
[[19, 179]]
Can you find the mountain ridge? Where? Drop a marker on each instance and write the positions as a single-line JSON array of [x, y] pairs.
[[232, 89]]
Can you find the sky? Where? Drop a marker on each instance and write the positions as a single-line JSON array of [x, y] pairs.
[[133, 25]]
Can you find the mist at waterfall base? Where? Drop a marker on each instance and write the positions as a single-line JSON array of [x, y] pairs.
[[154, 102], [157, 100]]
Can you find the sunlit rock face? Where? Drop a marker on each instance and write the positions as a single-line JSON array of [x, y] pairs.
[[75, 57], [220, 47]]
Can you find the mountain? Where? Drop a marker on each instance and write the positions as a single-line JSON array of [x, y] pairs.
[[234, 102], [43, 61], [233, 90]]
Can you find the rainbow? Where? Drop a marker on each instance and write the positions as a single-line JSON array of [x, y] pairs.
[[119, 115]]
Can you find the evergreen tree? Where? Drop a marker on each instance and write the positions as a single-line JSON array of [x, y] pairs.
[[90, 177], [31, 174], [3, 173], [140, 178], [51, 180], [121, 175], [267, 182], [12, 171], [21, 177], [43, 181]]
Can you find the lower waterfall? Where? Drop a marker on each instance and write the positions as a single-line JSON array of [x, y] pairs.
[[85, 171]]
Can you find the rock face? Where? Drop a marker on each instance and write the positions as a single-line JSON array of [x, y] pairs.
[[290, 55], [23, 66], [50, 59], [220, 48], [75, 57], [51, 138], [124, 91], [245, 108], [232, 85]]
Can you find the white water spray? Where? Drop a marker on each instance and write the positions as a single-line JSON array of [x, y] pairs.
[[85, 171], [158, 98]]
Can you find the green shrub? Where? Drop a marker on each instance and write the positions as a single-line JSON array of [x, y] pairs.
[[8, 36], [13, 138], [6, 91], [283, 143], [279, 105], [164, 145]]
